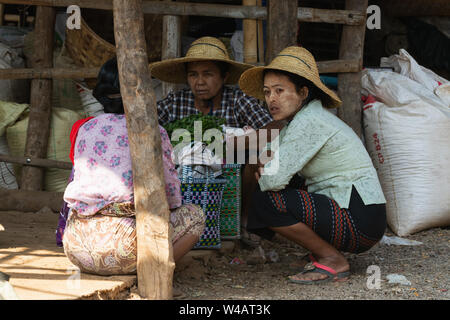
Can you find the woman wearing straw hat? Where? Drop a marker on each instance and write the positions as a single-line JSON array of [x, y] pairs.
[[343, 206], [207, 69]]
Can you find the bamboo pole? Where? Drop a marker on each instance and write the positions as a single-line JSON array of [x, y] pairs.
[[155, 264], [260, 38], [171, 45], [249, 27], [348, 17], [40, 99], [36, 162], [349, 84]]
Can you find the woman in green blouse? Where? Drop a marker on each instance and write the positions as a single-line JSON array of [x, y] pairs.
[[342, 207]]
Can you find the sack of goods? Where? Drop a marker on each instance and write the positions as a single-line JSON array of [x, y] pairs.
[[407, 124], [14, 123]]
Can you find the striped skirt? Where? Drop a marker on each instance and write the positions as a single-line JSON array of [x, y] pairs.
[[354, 230]]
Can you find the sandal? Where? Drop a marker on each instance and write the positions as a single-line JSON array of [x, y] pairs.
[[332, 274]]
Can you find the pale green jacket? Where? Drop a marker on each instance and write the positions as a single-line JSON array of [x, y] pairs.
[[326, 152]]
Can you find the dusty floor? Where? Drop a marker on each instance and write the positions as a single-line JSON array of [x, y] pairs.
[[40, 269], [426, 267]]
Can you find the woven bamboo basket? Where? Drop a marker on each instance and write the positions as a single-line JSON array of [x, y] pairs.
[[87, 49]]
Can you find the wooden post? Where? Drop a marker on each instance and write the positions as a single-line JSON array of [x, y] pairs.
[[171, 45], [349, 84], [249, 27], [155, 263], [2, 11], [40, 99], [281, 26]]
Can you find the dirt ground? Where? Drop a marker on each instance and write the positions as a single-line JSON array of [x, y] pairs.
[[211, 275], [425, 266]]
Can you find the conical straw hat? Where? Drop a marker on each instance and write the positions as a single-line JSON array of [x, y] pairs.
[[202, 49], [296, 60]]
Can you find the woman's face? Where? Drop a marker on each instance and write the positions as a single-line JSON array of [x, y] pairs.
[[282, 97], [205, 79]]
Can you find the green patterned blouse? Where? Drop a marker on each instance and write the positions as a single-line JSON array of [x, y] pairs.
[[326, 152]]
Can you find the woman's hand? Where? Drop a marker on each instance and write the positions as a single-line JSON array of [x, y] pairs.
[[262, 162], [259, 173]]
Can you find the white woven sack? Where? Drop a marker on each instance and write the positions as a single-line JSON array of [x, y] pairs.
[[407, 136], [7, 177]]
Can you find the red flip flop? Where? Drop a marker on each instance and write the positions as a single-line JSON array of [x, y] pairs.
[[332, 275]]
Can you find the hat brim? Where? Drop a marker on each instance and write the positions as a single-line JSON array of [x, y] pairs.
[[174, 70], [252, 84]]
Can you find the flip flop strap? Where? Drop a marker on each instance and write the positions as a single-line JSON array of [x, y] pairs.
[[318, 270], [329, 270]]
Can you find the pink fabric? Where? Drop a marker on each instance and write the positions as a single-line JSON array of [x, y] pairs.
[[102, 166], [73, 135]]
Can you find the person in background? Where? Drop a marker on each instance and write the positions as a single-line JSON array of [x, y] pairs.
[[100, 232], [343, 207], [209, 73]]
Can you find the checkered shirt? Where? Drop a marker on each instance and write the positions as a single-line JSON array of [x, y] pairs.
[[237, 108]]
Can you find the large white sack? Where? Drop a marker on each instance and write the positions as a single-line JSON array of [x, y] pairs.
[[404, 64], [408, 137]]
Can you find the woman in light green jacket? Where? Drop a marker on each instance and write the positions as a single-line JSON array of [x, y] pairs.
[[341, 206]]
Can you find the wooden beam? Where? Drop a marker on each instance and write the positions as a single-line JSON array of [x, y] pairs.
[[171, 45], [349, 17], [40, 99], [26, 201], [16, 18], [331, 66], [281, 26], [49, 73], [155, 264], [339, 66], [36, 162], [349, 84], [416, 8]]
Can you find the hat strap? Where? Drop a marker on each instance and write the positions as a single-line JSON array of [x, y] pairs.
[[208, 44], [288, 55]]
